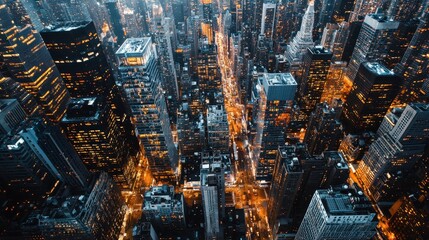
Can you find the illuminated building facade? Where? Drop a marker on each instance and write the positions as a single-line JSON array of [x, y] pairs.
[[286, 182], [115, 20], [315, 70], [338, 214], [272, 98], [373, 43], [217, 128], [164, 208], [414, 65], [268, 19], [36, 158], [10, 89], [140, 81], [28, 61], [78, 54], [209, 79], [324, 130], [94, 215], [373, 90], [396, 150], [95, 134], [213, 194]]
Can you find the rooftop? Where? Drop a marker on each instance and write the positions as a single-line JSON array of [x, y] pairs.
[[279, 79], [378, 68], [65, 26], [134, 45], [4, 103]]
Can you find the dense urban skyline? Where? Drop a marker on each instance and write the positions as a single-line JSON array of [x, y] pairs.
[[214, 119]]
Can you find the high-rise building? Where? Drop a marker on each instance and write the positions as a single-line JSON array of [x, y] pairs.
[[373, 43], [404, 10], [115, 20], [163, 208], [140, 80], [408, 218], [324, 130], [10, 89], [144, 231], [342, 10], [338, 169], [273, 99], [11, 115], [414, 65], [209, 79], [334, 86], [28, 61], [96, 136], [36, 158], [363, 8], [217, 128], [374, 89], [268, 19], [97, 214], [338, 214], [398, 149], [286, 182], [304, 38], [78, 54], [315, 70], [212, 178]]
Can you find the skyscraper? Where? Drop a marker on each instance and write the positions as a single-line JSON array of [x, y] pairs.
[[213, 194], [373, 42], [324, 130], [315, 70], [217, 128], [28, 61], [115, 19], [268, 19], [286, 182], [91, 127], [304, 38], [374, 89], [338, 214], [397, 149], [78, 54], [272, 98], [139, 78]]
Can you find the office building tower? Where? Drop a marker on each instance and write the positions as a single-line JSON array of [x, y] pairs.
[[268, 19], [404, 10], [212, 178], [140, 80], [27, 60], [345, 40], [324, 130], [414, 65], [315, 70], [353, 147], [163, 30], [329, 35], [338, 170], [190, 131], [78, 54], [342, 10], [209, 79], [10, 89], [144, 231], [97, 137], [374, 89], [272, 98], [338, 214], [397, 150], [164, 208], [334, 86], [408, 218], [97, 214], [304, 37], [373, 43], [363, 8], [115, 20], [44, 156], [286, 182], [11, 115], [217, 128]]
